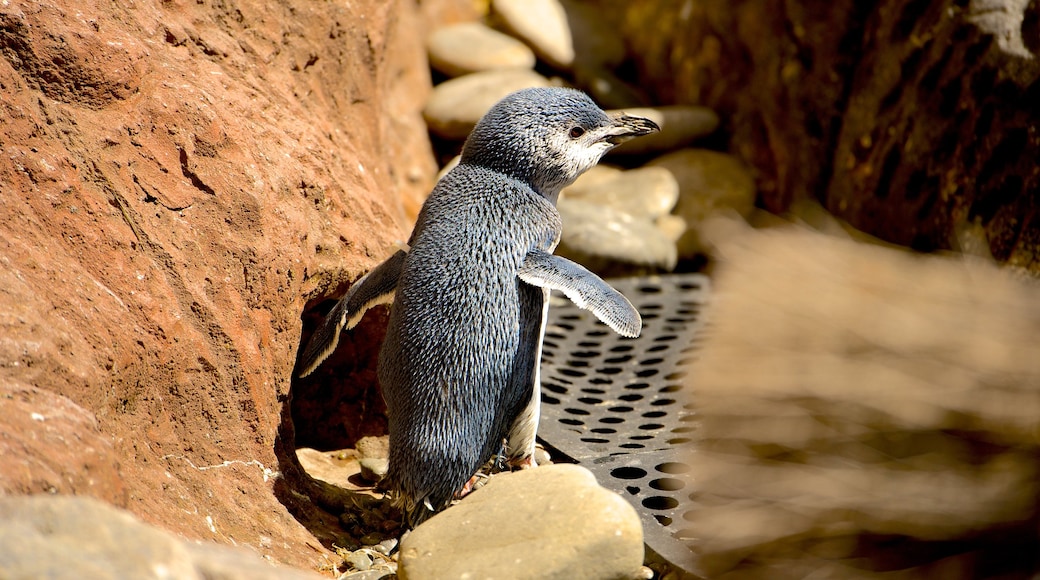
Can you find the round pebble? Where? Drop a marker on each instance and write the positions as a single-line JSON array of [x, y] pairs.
[[542, 24], [548, 522], [472, 47], [680, 125], [455, 106], [359, 560], [541, 456], [647, 191], [386, 546], [373, 468], [368, 575]]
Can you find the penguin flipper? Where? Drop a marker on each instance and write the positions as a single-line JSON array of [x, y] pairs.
[[376, 287], [582, 287]]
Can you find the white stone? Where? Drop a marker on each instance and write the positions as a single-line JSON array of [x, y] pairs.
[[471, 47], [455, 106]]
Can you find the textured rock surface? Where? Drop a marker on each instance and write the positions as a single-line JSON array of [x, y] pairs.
[[177, 180], [554, 521], [880, 417], [66, 537], [909, 119], [48, 444]]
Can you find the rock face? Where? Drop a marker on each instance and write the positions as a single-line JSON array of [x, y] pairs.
[[551, 522], [908, 119], [879, 418], [177, 181]]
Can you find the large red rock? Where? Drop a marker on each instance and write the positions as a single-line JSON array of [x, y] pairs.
[[177, 181]]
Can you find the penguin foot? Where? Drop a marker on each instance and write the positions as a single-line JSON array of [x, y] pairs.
[[473, 483], [523, 462]]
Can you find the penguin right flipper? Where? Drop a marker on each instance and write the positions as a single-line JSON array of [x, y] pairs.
[[584, 288], [376, 287]]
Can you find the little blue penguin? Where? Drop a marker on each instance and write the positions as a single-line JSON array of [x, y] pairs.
[[459, 365]]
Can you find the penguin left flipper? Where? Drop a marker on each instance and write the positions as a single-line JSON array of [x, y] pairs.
[[376, 287], [582, 287]]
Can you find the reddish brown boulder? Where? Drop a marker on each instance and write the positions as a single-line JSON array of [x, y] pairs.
[[177, 181]]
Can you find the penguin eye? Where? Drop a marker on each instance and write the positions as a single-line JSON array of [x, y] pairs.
[[576, 132]]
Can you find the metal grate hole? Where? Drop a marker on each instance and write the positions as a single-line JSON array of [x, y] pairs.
[[616, 405]]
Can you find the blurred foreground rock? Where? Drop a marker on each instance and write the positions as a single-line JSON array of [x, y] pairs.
[[865, 412]]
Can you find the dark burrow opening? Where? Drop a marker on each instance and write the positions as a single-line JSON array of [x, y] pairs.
[[329, 410], [340, 402]]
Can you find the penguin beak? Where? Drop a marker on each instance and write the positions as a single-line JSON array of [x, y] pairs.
[[625, 127]]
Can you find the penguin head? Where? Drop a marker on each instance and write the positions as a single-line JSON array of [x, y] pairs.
[[547, 137]]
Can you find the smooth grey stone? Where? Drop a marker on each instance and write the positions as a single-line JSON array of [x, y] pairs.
[[375, 574], [386, 546], [591, 229], [680, 126], [471, 47], [455, 106], [550, 522], [542, 24], [647, 191], [359, 560]]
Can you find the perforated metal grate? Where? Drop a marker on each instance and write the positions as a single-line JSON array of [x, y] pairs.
[[618, 406]]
